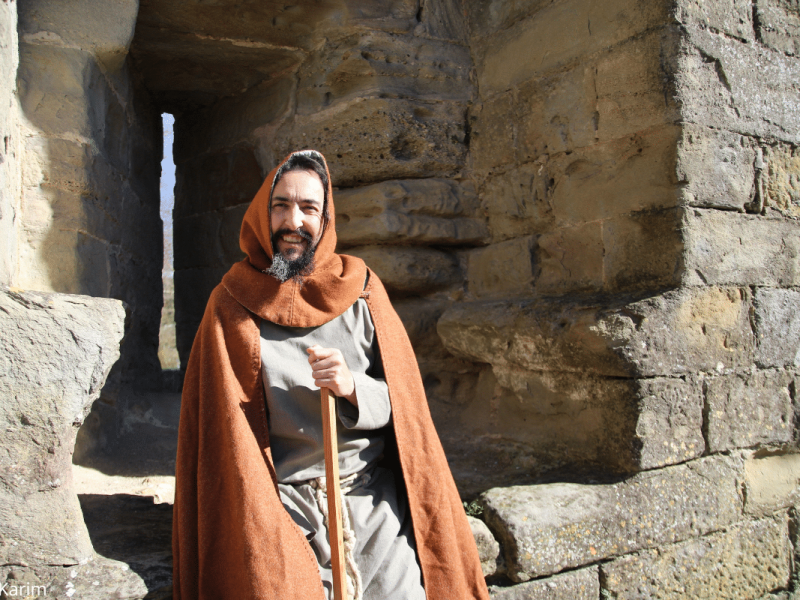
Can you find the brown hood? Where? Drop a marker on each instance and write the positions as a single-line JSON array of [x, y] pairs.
[[332, 287]]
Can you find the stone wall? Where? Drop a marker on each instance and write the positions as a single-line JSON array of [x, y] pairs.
[[88, 221], [10, 180], [585, 213], [668, 294]]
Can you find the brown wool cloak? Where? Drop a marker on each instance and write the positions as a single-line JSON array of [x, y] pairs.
[[232, 537]]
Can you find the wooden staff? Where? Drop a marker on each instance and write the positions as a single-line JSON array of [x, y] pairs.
[[334, 494]]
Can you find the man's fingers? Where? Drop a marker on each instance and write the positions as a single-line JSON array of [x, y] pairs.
[[316, 353]]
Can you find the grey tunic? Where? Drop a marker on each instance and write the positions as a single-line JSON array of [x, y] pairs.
[[385, 550]]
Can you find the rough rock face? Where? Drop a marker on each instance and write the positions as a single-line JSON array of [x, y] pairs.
[[57, 352], [88, 220], [586, 214]]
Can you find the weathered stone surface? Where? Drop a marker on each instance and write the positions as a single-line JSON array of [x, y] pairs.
[[58, 350], [209, 239], [231, 122], [193, 287], [690, 330], [634, 89], [492, 133], [581, 584], [643, 251], [486, 18], [98, 578], [782, 186], [505, 269], [778, 25], [547, 528], [772, 482], [375, 139], [571, 259], [517, 203], [777, 327], [488, 548], [739, 87], [411, 270], [749, 409], [205, 182], [379, 64], [726, 248], [517, 427], [10, 158], [425, 211], [105, 29], [745, 561], [732, 17], [615, 178], [717, 168], [670, 425], [534, 46]]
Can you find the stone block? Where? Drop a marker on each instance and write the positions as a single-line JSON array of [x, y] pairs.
[[731, 17], [544, 529], [557, 113], [492, 135], [378, 64], [630, 174], [518, 427], [749, 409], [778, 25], [411, 270], [669, 428], [504, 269], [717, 168], [486, 18], [559, 34], [205, 181], [229, 228], [58, 88], [745, 561], [581, 584], [782, 185], [119, 581], [643, 251], [10, 168], [726, 248], [517, 202], [105, 29], [423, 211], [672, 334], [633, 92], [375, 139], [58, 350], [488, 548], [445, 20], [732, 86], [232, 121], [193, 288], [772, 483], [571, 259], [777, 327], [197, 241]]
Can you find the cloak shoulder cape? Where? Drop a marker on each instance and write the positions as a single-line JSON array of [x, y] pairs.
[[232, 537]]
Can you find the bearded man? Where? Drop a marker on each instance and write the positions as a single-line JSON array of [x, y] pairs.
[[250, 513]]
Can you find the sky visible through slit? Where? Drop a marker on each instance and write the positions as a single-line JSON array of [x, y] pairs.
[[167, 191]]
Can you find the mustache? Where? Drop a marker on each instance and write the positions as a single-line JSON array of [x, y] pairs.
[[285, 231]]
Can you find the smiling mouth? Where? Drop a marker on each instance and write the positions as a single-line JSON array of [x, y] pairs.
[[292, 239]]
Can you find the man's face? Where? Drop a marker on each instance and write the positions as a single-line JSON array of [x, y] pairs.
[[297, 214]]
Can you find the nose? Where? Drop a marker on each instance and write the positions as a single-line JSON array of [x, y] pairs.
[[294, 217]]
